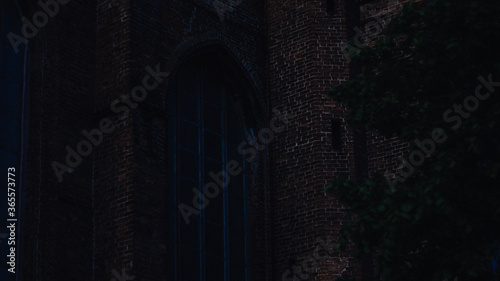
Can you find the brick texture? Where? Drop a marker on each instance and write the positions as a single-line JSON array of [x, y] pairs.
[[112, 211], [58, 230]]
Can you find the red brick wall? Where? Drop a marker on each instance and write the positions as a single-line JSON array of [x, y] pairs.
[[131, 186], [57, 241], [114, 167], [111, 212], [306, 60], [383, 152]]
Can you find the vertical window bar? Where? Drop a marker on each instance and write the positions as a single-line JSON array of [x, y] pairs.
[[245, 223], [201, 180], [225, 193], [176, 197]]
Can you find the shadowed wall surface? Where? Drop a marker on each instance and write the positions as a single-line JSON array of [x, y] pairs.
[[108, 213]]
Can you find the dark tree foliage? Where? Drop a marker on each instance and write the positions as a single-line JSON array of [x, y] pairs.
[[433, 81]]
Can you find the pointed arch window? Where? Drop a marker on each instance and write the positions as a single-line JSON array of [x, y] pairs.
[[207, 174]]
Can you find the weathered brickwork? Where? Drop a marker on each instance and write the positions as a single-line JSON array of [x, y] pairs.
[[306, 60], [375, 15], [383, 153], [57, 234], [114, 167], [112, 211]]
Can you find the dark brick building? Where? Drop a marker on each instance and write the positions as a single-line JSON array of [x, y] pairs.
[[182, 140]]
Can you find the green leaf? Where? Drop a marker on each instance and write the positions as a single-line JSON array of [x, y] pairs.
[[407, 207]]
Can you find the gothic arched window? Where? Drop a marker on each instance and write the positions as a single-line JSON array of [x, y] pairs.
[[208, 176]]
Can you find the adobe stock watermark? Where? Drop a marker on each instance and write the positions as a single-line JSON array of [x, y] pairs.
[[221, 180], [223, 6], [309, 265], [372, 27], [40, 19], [95, 136], [427, 147]]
